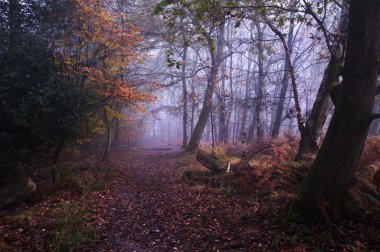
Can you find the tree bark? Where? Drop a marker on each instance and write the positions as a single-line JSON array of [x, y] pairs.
[[245, 104], [185, 97], [251, 130], [107, 148], [260, 84], [216, 53], [209, 161], [316, 120], [374, 129], [56, 154], [284, 89], [324, 189], [292, 76], [222, 105]]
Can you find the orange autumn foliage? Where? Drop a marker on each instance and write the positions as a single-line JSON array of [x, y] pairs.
[[99, 45]]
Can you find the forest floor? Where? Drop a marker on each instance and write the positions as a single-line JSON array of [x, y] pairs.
[[154, 209], [146, 205]]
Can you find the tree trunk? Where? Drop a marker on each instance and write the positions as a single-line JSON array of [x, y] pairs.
[[316, 120], [221, 95], [107, 148], [251, 130], [374, 129], [106, 154], [317, 117], [292, 76], [56, 154], [284, 88], [260, 85], [185, 94], [323, 190], [245, 104], [216, 59], [209, 161], [192, 109]]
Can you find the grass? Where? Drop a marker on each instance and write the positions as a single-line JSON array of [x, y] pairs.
[[63, 220], [66, 226], [74, 229]]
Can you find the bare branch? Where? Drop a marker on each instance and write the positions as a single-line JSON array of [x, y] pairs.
[[322, 26]]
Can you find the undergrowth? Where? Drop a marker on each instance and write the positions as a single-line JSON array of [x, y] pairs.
[[63, 219]]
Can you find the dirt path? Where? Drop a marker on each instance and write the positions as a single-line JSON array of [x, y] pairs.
[[154, 210]]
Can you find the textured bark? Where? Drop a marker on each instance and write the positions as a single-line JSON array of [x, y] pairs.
[[245, 104], [317, 118], [209, 161], [324, 188], [216, 59]]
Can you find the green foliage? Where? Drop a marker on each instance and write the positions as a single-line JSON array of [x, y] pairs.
[[41, 107], [193, 22], [73, 229]]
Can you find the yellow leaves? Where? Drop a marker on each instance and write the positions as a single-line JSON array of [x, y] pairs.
[[114, 113], [98, 45], [98, 33]]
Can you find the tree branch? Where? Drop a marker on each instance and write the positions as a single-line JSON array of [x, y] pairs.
[[322, 26], [373, 116]]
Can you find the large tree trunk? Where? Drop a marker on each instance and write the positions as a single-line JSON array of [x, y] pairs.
[[316, 120], [317, 117], [216, 60], [323, 190]]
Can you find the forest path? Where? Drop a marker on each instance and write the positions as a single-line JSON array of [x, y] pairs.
[[152, 209]]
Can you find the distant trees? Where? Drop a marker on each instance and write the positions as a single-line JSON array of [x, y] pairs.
[[208, 22], [305, 46]]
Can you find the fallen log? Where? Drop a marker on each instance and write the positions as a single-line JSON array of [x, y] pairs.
[[209, 161]]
